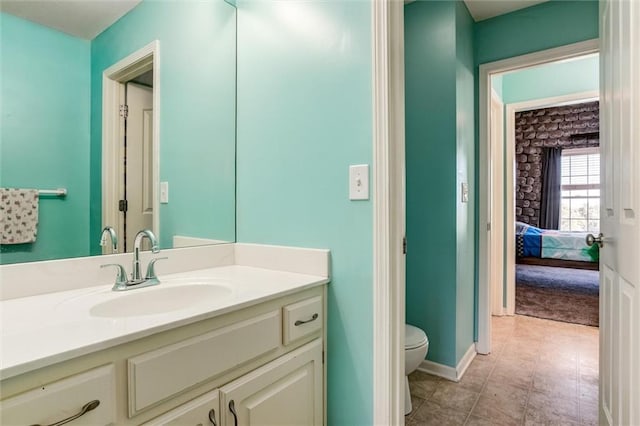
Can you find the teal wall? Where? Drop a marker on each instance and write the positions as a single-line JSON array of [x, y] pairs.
[[465, 235], [430, 108], [197, 117], [550, 80], [305, 115], [496, 84], [544, 26], [439, 101], [44, 133]]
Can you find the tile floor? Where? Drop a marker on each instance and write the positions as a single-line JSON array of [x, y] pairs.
[[540, 372]]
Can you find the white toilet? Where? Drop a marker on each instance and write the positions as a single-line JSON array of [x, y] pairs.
[[416, 346]]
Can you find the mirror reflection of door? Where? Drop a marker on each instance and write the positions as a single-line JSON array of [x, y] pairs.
[[138, 164]]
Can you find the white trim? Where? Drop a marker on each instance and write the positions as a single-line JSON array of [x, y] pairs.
[[510, 204], [510, 183], [439, 370], [485, 72], [388, 211], [113, 95], [496, 268], [450, 373], [570, 99]]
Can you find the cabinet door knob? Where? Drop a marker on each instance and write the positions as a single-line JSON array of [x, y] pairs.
[[91, 405], [212, 417], [232, 408]]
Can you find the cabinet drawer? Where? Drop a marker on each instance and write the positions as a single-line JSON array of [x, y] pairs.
[[165, 372], [200, 411], [302, 319], [60, 400]]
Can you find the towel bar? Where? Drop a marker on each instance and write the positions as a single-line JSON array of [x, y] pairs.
[[60, 192]]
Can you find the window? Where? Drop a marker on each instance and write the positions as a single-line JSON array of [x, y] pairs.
[[580, 192]]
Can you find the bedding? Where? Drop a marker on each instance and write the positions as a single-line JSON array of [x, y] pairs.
[[552, 244]]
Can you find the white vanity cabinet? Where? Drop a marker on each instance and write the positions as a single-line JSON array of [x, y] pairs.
[[265, 360], [287, 391]]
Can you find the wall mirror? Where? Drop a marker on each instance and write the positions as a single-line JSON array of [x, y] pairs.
[[175, 165]]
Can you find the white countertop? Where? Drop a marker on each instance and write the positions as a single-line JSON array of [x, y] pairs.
[[45, 329]]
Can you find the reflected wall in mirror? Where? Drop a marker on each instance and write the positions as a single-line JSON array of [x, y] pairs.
[[51, 130]]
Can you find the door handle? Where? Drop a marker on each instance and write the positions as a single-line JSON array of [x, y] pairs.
[[300, 322], [591, 240], [89, 406], [232, 408]]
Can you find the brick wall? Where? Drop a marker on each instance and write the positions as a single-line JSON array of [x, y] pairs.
[[571, 126]]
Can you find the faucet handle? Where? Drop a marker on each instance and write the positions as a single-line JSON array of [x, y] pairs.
[[121, 278], [151, 270]]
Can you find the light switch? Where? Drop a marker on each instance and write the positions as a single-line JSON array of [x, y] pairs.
[[359, 182], [164, 192], [465, 192]]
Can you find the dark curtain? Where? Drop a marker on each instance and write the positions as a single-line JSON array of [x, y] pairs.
[[551, 181]]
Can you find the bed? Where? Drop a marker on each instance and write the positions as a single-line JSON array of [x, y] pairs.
[[550, 247]]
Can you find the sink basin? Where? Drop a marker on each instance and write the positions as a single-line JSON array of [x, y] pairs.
[[159, 300]]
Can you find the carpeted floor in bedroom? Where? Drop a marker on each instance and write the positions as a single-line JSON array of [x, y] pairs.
[[561, 294]]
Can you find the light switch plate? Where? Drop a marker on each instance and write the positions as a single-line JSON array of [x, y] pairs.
[[465, 192], [359, 182], [164, 192]]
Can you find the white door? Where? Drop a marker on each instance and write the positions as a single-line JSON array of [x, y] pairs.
[[287, 391], [620, 213], [139, 162]]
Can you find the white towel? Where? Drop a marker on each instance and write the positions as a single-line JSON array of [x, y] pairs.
[[18, 215]]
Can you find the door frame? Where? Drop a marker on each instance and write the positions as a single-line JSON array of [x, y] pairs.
[[509, 219], [496, 186], [483, 345], [388, 211], [114, 95]]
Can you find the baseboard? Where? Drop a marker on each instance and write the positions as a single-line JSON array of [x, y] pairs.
[[439, 370], [450, 373], [466, 360], [500, 312]]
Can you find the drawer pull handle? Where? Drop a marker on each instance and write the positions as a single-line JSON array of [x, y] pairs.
[[299, 322], [232, 408], [212, 417], [91, 405]]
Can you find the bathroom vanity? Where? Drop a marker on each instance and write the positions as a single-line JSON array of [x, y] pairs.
[[233, 344]]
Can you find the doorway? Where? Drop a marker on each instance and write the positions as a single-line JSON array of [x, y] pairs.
[[130, 145], [137, 180], [554, 360], [492, 180], [552, 194]]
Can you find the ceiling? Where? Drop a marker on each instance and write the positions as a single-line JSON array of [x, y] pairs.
[[81, 18], [485, 9]]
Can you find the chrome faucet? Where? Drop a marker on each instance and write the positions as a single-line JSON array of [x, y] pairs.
[[137, 280], [136, 275], [108, 230]]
